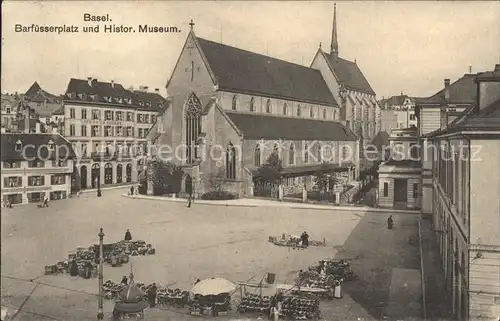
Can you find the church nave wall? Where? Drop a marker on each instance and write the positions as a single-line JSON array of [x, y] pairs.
[[243, 103]]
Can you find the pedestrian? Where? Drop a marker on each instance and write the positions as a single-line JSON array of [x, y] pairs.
[[304, 194], [305, 239], [152, 295], [128, 235], [125, 280], [190, 199], [131, 190], [45, 201], [73, 271], [390, 223]]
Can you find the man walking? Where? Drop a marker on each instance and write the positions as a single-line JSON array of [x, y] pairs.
[[190, 199], [45, 201], [390, 223]]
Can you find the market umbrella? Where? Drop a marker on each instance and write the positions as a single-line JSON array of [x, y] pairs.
[[213, 286]]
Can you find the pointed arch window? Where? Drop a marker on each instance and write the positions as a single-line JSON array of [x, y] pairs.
[[235, 102], [291, 155], [193, 127], [231, 161], [252, 104], [256, 156], [285, 109], [324, 113], [320, 154], [276, 149], [299, 112], [268, 106], [306, 153]]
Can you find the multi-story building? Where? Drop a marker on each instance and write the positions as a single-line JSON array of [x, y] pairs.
[[399, 175], [35, 165], [107, 125], [465, 202], [437, 112], [40, 102], [10, 109], [398, 112]]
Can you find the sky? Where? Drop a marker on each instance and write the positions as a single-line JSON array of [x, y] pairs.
[[408, 47]]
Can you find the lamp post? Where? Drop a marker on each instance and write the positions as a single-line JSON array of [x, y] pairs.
[[100, 314]]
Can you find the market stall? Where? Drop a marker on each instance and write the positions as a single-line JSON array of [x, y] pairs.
[[212, 297], [87, 259], [341, 270], [294, 303], [293, 241]]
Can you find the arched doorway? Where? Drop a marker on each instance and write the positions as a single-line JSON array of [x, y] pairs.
[[188, 184], [108, 173], [96, 175], [128, 171], [119, 173], [83, 177]]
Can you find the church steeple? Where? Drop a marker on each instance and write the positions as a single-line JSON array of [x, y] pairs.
[[334, 47]]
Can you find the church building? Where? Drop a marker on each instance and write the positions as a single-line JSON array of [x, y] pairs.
[[350, 88], [229, 109]]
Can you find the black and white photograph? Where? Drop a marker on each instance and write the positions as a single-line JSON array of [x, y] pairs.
[[250, 160]]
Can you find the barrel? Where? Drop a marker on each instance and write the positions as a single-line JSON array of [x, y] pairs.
[[270, 278]]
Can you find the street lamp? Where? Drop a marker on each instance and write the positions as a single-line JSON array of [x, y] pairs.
[[100, 314]]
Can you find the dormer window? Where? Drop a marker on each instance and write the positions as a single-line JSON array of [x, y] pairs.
[[51, 145], [19, 145], [84, 96], [141, 103], [160, 105], [148, 104]]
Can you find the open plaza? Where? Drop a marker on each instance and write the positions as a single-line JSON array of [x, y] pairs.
[[205, 241]]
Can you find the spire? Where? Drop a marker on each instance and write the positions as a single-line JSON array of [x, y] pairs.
[[334, 48]]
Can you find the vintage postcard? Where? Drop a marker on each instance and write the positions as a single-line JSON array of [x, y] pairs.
[[250, 160]]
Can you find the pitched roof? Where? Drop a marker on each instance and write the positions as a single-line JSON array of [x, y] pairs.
[[490, 75], [39, 143], [259, 126], [116, 92], [248, 72], [394, 101], [349, 74], [36, 94], [462, 91], [381, 140], [471, 119]]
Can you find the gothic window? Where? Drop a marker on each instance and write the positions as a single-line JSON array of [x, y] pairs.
[[231, 162], [285, 109], [276, 149], [235, 100], [256, 156], [298, 111], [306, 153], [268, 106], [324, 113], [320, 156], [291, 155], [193, 127], [252, 104]]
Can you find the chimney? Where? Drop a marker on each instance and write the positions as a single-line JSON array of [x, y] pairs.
[[157, 90], [446, 90], [89, 80], [26, 120], [38, 128], [112, 84]]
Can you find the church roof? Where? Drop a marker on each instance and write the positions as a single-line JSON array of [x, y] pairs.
[[248, 72], [259, 126], [36, 94], [349, 74]]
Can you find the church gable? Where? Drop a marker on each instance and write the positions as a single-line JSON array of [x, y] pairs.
[[191, 72]]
